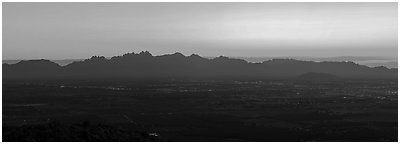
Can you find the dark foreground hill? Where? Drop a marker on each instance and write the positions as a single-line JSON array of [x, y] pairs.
[[85, 132], [145, 65]]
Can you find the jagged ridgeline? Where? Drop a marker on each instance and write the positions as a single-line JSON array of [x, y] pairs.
[[145, 65]]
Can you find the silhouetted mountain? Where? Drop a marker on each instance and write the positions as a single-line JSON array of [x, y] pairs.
[[32, 69], [311, 76], [369, 61], [145, 65], [61, 62], [390, 64]]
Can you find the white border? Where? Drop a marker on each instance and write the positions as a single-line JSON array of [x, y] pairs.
[[1, 41]]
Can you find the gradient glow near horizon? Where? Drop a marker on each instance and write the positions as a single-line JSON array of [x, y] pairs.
[[81, 30]]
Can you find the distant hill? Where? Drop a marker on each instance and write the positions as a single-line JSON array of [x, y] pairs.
[[388, 62], [32, 69], [145, 65], [311, 76], [61, 62]]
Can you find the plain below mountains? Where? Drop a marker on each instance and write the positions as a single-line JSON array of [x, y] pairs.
[[145, 65], [311, 76]]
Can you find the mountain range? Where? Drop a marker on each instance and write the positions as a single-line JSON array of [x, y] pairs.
[[145, 65], [389, 62]]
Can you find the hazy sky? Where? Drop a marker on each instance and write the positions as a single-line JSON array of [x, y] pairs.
[[80, 30]]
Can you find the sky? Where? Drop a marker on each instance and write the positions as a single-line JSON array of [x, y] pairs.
[[81, 30]]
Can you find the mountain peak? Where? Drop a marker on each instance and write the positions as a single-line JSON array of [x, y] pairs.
[[39, 61], [129, 54], [97, 58], [194, 55], [145, 53], [221, 58], [178, 54]]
